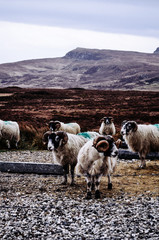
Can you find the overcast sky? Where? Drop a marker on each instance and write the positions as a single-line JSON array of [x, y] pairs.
[[31, 29]]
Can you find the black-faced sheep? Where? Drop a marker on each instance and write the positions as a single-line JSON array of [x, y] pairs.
[[65, 148], [107, 126], [95, 159], [10, 131], [141, 138], [73, 128]]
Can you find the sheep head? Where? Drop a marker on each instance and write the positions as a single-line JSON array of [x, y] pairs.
[[107, 120], [54, 125], [129, 127], [107, 145], [57, 140]]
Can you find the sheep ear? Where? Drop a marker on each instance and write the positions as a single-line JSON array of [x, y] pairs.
[[118, 143], [111, 119], [134, 126], [102, 119], [45, 137]]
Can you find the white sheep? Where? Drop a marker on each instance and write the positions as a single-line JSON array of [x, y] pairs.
[[95, 159], [141, 138], [65, 148], [73, 127], [107, 126], [10, 131]]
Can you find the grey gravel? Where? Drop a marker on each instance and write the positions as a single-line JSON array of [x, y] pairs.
[[38, 207], [27, 156]]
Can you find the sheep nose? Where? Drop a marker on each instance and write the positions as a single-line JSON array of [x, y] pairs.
[[116, 152], [50, 148]]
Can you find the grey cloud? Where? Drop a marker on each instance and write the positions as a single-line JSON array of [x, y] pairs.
[[115, 16]]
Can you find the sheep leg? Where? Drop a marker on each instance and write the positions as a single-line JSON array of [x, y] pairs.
[[72, 174], [93, 185], [66, 171], [143, 162], [89, 186], [97, 183], [16, 145], [8, 144], [109, 182]]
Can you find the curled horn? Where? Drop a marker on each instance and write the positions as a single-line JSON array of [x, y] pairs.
[[45, 137], [101, 144], [63, 136], [57, 124]]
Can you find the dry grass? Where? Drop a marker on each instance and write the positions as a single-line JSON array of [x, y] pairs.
[[128, 179]]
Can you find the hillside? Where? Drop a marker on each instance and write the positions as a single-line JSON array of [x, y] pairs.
[[86, 68]]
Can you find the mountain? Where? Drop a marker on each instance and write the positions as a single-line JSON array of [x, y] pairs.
[[86, 68]]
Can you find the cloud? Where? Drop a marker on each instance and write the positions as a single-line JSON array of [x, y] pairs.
[[110, 16], [25, 41]]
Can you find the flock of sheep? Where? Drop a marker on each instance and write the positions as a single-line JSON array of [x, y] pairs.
[[94, 154], [91, 154]]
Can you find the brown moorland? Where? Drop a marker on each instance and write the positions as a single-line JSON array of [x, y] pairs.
[[33, 108]]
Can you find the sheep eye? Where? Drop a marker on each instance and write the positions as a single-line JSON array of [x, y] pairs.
[[57, 138]]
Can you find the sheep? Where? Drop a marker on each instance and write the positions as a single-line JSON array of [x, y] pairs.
[[66, 127], [141, 138], [10, 131], [107, 126], [65, 148], [95, 159]]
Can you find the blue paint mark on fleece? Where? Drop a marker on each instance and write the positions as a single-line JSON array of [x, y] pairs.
[[88, 135], [156, 125], [7, 122], [69, 124], [85, 135]]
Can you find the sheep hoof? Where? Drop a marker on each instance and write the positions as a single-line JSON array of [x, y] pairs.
[[89, 195], [110, 186], [97, 194], [64, 183], [142, 166]]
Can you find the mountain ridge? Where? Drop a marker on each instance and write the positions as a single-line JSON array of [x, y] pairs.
[[86, 68]]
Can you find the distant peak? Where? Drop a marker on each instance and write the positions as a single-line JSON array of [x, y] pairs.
[[156, 51], [85, 54]]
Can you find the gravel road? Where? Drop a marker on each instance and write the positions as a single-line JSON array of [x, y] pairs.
[[39, 207]]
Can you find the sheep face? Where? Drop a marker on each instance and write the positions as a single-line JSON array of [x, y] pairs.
[[129, 127], [56, 140], [54, 125], [107, 120], [106, 144]]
